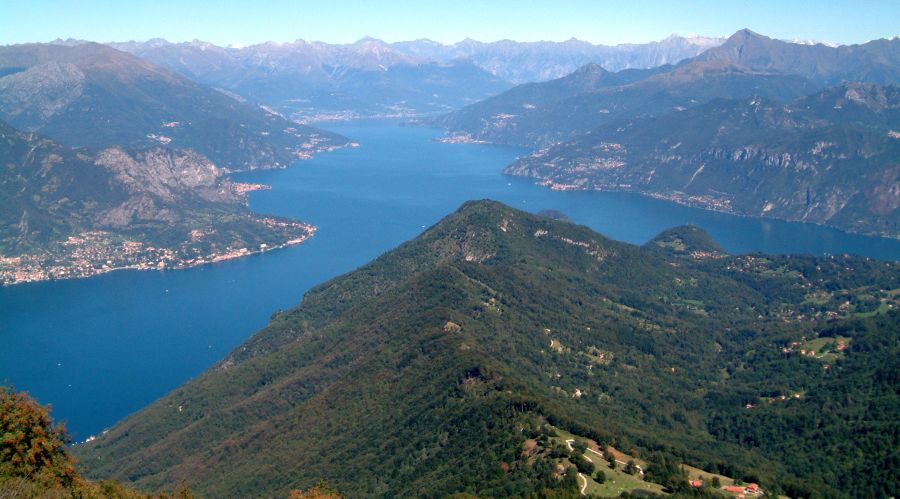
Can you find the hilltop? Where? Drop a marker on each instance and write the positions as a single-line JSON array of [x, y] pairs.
[[435, 369]]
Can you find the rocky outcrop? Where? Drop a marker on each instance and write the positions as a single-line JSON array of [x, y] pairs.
[[35, 94], [141, 208], [68, 213], [169, 175]]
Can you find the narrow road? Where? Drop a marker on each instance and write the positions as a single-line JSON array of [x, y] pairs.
[[583, 487], [570, 441]]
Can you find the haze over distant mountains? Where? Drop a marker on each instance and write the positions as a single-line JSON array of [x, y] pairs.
[[318, 81], [90, 95], [708, 130], [522, 62], [746, 64], [313, 81]]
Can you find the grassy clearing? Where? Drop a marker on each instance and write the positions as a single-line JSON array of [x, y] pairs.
[[617, 481], [697, 474], [826, 348], [882, 309]]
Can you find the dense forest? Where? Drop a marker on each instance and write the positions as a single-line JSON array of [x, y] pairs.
[[451, 364]]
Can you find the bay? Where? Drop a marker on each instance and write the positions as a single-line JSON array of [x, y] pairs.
[[98, 349]]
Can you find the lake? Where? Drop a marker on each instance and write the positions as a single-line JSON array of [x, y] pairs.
[[98, 349]]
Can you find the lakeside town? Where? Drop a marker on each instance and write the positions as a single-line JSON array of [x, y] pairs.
[[96, 252]]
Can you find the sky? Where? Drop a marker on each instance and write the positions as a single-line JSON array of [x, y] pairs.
[[610, 22]]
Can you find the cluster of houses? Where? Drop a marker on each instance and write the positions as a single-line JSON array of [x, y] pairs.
[[741, 491], [839, 347]]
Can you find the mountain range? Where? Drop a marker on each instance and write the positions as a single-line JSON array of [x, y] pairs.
[[315, 81], [830, 158], [525, 62], [90, 95], [541, 114], [750, 127], [312, 81], [747, 63], [462, 360], [876, 61]]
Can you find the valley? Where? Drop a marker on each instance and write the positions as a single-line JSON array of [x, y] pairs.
[[401, 267], [363, 201]]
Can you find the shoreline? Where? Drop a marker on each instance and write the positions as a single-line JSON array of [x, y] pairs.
[[466, 138], [184, 264], [554, 186], [73, 263]]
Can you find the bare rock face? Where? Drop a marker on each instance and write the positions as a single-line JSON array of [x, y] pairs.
[[39, 92], [885, 196], [170, 176], [137, 209]]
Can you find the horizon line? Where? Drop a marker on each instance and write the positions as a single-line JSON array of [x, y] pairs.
[[442, 43]]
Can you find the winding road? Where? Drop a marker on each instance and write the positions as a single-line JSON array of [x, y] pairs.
[[570, 441]]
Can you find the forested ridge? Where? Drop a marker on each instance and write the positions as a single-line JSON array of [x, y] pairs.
[[441, 366]]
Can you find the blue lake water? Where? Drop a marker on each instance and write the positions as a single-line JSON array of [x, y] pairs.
[[98, 349]]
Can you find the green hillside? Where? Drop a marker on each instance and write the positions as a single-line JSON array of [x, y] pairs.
[[436, 369]]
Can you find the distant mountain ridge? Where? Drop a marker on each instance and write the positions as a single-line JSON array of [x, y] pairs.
[[745, 64], [540, 114], [831, 158], [877, 61], [91, 95], [314, 81], [524, 62], [512, 61]]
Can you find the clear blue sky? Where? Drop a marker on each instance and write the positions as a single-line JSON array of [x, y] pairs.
[[600, 21]]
